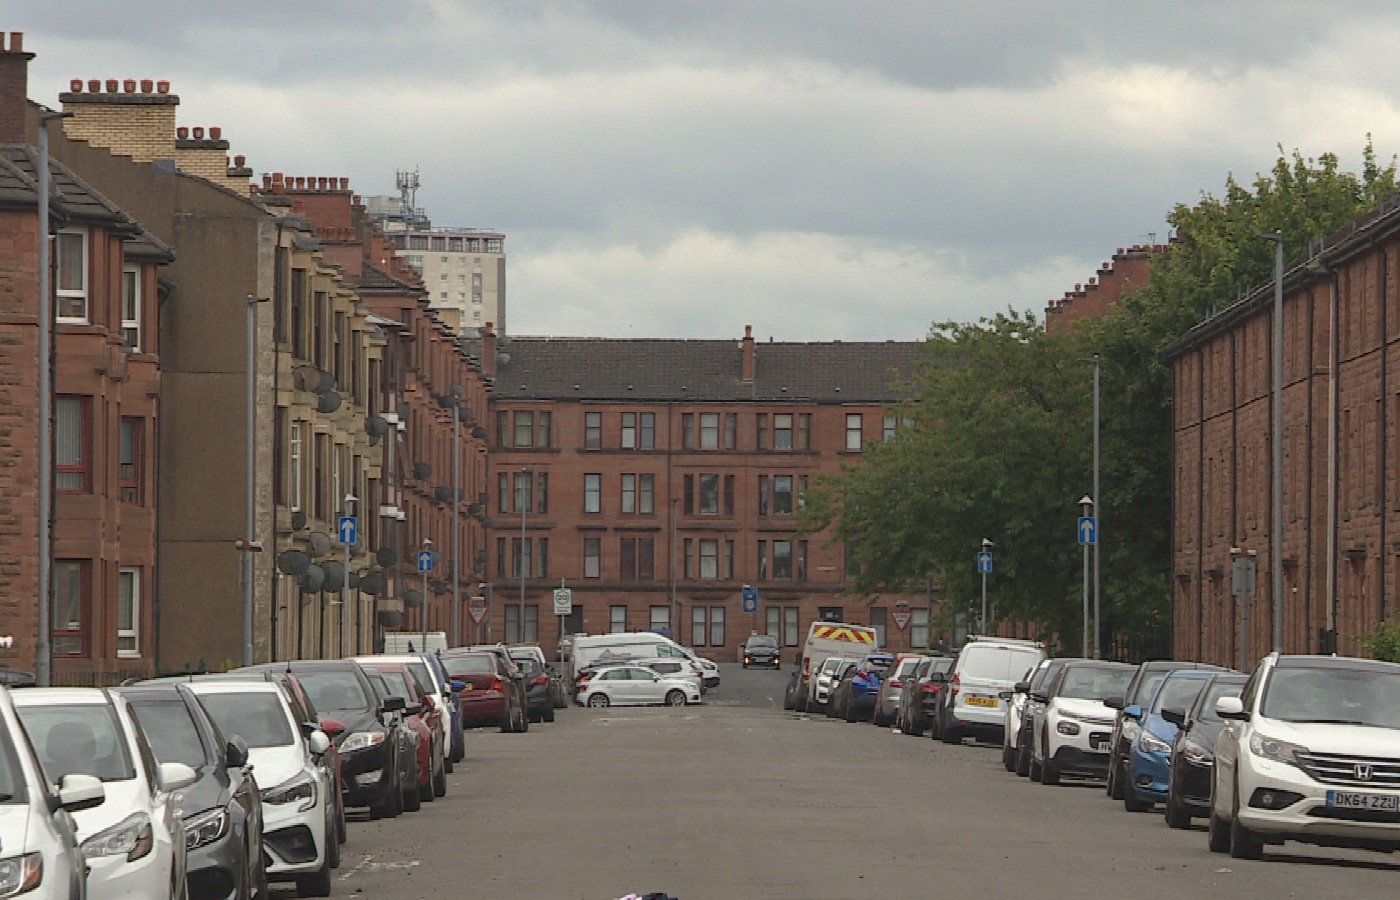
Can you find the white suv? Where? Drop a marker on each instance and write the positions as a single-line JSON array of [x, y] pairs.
[[1070, 725], [1310, 752]]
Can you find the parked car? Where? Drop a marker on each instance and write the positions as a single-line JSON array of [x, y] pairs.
[[861, 687], [436, 712], [919, 698], [1071, 726], [1149, 763], [457, 743], [299, 835], [984, 667], [891, 686], [1308, 754], [1193, 751], [792, 690], [1020, 712], [559, 695], [761, 650], [424, 720], [820, 684], [37, 827], [133, 842], [222, 810], [360, 724], [492, 692], [709, 669], [405, 738], [637, 686], [836, 696], [1125, 731], [539, 689]]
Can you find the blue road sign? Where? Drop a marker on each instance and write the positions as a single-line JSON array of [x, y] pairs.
[[425, 560], [750, 595], [349, 530], [984, 562], [1088, 530]]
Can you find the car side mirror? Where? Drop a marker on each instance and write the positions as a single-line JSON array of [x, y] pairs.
[[1175, 715], [1231, 708], [458, 685], [1021, 687], [318, 743], [174, 776], [1039, 696], [1005, 695], [236, 752], [332, 727], [1132, 712], [1115, 702], [413, 709], [937, 678], [394, 703], [77, 792], [429, 702]]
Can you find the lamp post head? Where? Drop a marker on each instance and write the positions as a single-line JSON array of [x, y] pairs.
[[427, 542], [987, 544], [1087, 502]]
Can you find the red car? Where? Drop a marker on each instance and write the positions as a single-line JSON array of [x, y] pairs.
[[422, 716], [494, 693]]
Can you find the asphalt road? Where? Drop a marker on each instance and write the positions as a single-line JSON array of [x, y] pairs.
[[738, 799]]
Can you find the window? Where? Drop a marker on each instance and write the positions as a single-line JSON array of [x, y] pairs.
[[762, 430], [638, 494], [727, 564], [593, 431], [877, 621], [731, 430], [502, 429], [853, 425], [524, 491], [593, 493], [71, 441], [660, 618], [780, 565], [688, 558], [542, 492], [709, 495], [503, 492], [617, 619], [804, 431], [71, 263], [520, 557], [697, 626], [716, 626], [542, 433], [298, 323], [629, 431], [775, 495], [709, 431], [131, 310], [688, 431], [918, 628], [790, 622], [637, 559], [772, 622], [70, 602], [524, 429], [295, 463], [592, 567], [128, 613], [709, 559], [648, 435], [513, 634], [890, 427], [130, 465], [801, 570], [782, 560], [629, 494], [782, 431]]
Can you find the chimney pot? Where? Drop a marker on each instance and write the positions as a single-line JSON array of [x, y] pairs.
[[162, 87], [129, 86], [182, 132], [267, 182], [16, 41], [94, 86], [240, 160], [76, 85], [321, 183], [111, 85], [147, 85], [198, 133], [216, 133], [345, 184]]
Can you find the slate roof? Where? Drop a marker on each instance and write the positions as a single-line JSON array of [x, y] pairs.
[[373, 277], [74, 200], [540, 368]]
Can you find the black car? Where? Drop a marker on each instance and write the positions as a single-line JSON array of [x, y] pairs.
[[761, 650], [539, 690], [223, 809], [1193, 751], [370, 765], [794, 687], [838, 700], [1144, 684], [918, 701]]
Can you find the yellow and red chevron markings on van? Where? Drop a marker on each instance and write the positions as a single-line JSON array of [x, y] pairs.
[[842, 633]]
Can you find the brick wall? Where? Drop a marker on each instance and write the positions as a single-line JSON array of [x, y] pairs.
[[1127, 271], [131, 119]]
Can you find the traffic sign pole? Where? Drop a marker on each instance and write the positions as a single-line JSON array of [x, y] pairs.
[[349, 534]]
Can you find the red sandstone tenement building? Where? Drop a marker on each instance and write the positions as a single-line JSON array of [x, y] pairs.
[[1128, 270], [1341, 439]]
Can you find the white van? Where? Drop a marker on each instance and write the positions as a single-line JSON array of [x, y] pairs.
[[984, 668], [412, 642], [590, 648], [827, 640]]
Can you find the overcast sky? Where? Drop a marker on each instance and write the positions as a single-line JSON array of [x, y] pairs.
[[818, 170]]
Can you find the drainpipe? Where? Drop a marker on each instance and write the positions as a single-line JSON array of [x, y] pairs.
[[1333, 414]]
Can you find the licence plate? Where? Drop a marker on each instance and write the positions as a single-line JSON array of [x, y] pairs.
[[992, 702], [467, 689], [1352, 800], [1097, 740]]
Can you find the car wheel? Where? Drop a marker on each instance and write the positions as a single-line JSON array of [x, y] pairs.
[[440, 782], [1023, 761], [1008, 758], [549, 713], [675, 698], [799, 703], [851, 713], [1049, 773], [1116, 779], [950, 735], [412, 799], [598, 700], [340, 834], [318, 884], [1244, 843], [1177, 815], [1033, 770], [1131, 801], [524, 720], [332, 845]]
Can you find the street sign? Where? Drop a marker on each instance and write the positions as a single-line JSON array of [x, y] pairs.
[[1242, 577], [984, 562], [349, 530], [1088, 530], [477, 609], [901, 619], [563, 601], [425, 560], [750, 595]]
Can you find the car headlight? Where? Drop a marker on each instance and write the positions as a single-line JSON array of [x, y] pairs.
[[205, 828], [1197, 754], [1131, 729], [1275, 749], [132, 837], [21, 874], [1067, 726], [300, 789], [1150, 743], [361, 740]]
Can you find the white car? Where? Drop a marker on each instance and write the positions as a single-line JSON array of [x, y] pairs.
[[39, 854], [1309, 753], [134, 841], [298, 806], [637, 686], [825, 679], [708, 667], [1071, 727]]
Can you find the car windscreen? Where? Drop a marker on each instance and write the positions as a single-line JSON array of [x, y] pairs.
[[530, 666], [421, 675], [1151, 680], [376, 681], [1177, 692], [11, 772], [334, 692], [84, 738], [171, 732], [996, 663], [907, 667], [259, 718], [1205, 704], [1094, 682], [1335, 695], [761, 642], [397, 683], [478, 664]]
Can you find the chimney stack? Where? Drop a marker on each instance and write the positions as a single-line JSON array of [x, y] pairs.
[[488, 350], [14, 89], [748, 354], [121, 118]]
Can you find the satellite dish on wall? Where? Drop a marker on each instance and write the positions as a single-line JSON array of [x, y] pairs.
[[292, 562], [375, 426], [320, 543], [372, 584], [422, 471], [335, 576], [487, 522], [313, 579], [390, 618], [439, 587], [354, 581], [327, 382], [298, 519], [327, 401], [443, 493], [413, 599], [387, 556], [479, 433]]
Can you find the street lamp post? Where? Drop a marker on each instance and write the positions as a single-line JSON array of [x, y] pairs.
[[1098, 554], [426, 545], [522, 496], [347, 510], [1276, 539], [248, 544], [987, 546], [1086, 509]]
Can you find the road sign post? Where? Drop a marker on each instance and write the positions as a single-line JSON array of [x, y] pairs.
[[984, 565], [1087, 532], [425, 565], [1242, 581]]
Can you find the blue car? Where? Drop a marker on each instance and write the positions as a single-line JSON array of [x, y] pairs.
[[864, 686], [1149, 757], [457, 744]]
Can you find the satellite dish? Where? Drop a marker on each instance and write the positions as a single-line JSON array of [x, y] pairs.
[[413, 599], [474, 509], [487, 522], [390, 618], [320, 543], [479, 433], [372, 584], [387, 556], [467, 414], [354, 581], [422, 471], [439, 587], [404, 410], [313, 579], [292, 562], [375, 426], [457, 390], [478, 568], [335, 576], [443, 493], [327, 401], [298, 519], [327, 382]]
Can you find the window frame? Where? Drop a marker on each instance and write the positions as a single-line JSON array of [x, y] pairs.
[[592, 556], [593, 431], [131, 309], [129, 473], [83, 466], [129, 594], [70, 295], [83, 568], [854, 440], [593, 493]]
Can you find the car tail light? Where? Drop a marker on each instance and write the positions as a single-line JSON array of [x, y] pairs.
[[806, 666], [861, 673], [953, 691], [539, 679], [895, 682], [496, 683]]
